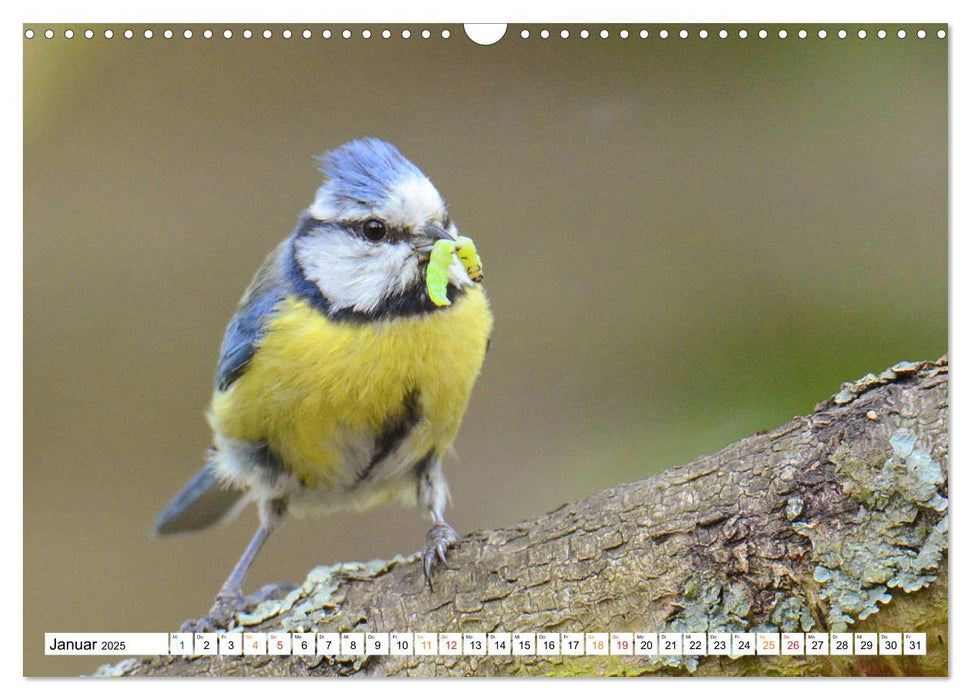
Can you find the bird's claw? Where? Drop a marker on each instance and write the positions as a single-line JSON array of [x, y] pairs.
[[439, 538], [228, 603], [220, 617]]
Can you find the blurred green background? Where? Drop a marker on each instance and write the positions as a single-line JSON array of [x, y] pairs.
[[685, 241]]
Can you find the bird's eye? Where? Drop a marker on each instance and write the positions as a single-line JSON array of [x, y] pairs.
[[374, 229]]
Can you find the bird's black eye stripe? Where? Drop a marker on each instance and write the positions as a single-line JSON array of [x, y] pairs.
[[374, 230]]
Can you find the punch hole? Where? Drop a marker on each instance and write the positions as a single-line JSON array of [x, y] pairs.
[[703, 34], [841, 33], [524, 34], [882, 34], [287, 34], [742, 33], [564, 34], [386, 34], [644, 34], [683, 34], [49, 34], [88, 34], [149, 34], [604, 34], [207, 34], [425, 34], [723, 34], [803, 33], [405, 33], [68, 33], [129, 33], [783, 33], [167, 34], [921, 34], [247, 34], [366, 34], [347, 33], [861, 33], [485, 34], [29, 34], [326, 34], [902, 34], [267, 34], [584, 33], [187, 34], [228, 34], [624, 34], [763, 34], [941, 34], [109, 34], [663, 33], [821, 33], [446, 34], [545, 34]]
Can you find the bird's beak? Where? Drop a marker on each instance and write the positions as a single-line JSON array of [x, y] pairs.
[[428, 235]]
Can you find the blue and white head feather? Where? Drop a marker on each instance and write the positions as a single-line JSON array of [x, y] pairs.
[[371, 178], [367, 179]]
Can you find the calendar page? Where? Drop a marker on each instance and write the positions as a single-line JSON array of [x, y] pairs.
[[525, 349]]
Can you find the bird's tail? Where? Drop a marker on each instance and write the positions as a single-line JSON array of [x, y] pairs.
[[203, 502]]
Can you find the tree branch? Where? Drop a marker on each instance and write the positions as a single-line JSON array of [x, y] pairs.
[[835, 521]]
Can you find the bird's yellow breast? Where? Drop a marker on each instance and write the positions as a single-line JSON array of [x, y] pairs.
[[315, 386]]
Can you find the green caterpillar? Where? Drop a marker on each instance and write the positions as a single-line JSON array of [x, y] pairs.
[[436, 277]]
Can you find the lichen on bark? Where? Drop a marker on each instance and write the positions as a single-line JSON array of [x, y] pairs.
[[836, 520]]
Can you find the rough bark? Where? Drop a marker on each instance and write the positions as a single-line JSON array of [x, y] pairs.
[[836, 521]]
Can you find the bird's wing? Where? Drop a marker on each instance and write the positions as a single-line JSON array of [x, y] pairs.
[[247, 325]]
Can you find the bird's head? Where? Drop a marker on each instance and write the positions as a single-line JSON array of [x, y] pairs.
[[367, 237]]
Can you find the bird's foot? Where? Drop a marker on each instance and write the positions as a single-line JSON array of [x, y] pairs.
[[437, 541], [228, 604]]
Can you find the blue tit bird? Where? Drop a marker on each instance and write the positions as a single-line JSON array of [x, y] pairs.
[[340, 383]]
